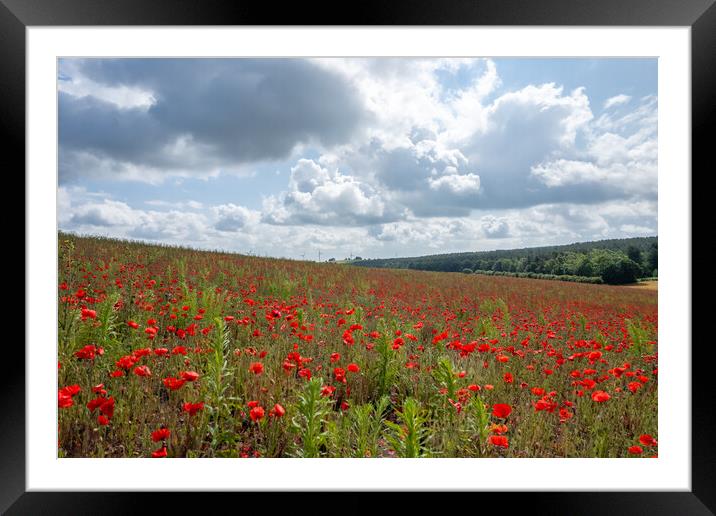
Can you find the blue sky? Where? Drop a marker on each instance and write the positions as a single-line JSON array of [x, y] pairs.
[[376, 157]]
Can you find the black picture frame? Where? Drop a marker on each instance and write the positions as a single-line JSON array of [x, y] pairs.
[[699, 15]]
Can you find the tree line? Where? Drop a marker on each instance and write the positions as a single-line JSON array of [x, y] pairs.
[[615, 262]]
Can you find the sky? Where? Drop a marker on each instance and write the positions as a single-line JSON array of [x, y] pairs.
[[370, 157]]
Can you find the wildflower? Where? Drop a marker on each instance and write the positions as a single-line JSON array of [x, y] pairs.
[[278, 411], [257, 413], [142, 371], [161, 435], [327, 390], [600, 396], [499, 441], [189, 376], [634, 386], [193, 408], [339, 374], [501, 410], [647, 440], [173, 383]]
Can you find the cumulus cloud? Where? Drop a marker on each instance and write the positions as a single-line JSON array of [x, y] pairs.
[[620, 155], [319, 196], [232, 218], [456, 184], [494, 227], [214, 114]]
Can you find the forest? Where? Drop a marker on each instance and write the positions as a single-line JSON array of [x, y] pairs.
[[614, 262]]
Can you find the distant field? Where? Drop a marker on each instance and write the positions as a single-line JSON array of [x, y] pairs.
[[646, 285], [168, 352]]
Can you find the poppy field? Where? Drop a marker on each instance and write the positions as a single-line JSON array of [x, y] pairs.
[[170, 352]]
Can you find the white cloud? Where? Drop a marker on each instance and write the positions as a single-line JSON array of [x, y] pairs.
[[319, 196], [232, 218], [494, 227], [72, 81], [456, 184], [565, 172], [616, 100], [106, 213]]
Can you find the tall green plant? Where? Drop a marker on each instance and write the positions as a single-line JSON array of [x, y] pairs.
[[444, 373], [367, 424], [312, 410], [409, 438], [638, 337], [218, 380], [386, 370]]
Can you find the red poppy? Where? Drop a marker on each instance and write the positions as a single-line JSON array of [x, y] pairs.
[[594, 356], [132, 324], [256, 368], [501, 410], [353, 368], [508, 378], [647, 440], [564, 415], [278, 411], [99, 389], [499, 441], [142, 371], [193, 408], [161, 452], [189, 376], [107, 407], [173, 383], [161, 435], [339, 374], [636, 450], [92, 405], [257, 413], [327, 390], [103, 420], [126, 362], [70, 390], [634, 386], [600, 396], [88, 314], [64, 400]]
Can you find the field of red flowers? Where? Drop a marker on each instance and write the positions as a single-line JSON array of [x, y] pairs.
[[168, 352]]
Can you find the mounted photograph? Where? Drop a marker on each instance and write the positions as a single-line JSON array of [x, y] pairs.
[[379, 257]]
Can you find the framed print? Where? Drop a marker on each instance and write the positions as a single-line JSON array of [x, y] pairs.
[[414, 250]]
